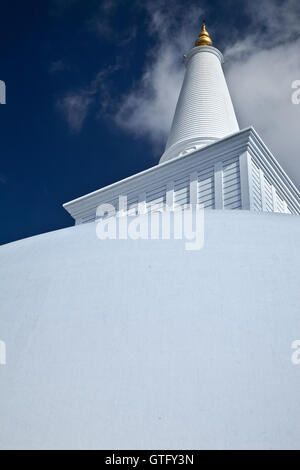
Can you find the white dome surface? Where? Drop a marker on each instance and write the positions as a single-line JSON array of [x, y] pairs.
[[143, 345]]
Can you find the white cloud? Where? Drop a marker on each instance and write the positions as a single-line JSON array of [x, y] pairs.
[[102, 24], [147, 109], [75, 107], [261, 88], [262, 61], [260, 69], [58, 66]]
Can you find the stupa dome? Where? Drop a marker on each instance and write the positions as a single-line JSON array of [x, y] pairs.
[[141, 344]]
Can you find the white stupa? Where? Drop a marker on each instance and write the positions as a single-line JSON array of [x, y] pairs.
[[141, 344]]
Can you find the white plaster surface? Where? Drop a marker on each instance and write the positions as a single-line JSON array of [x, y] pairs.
[[141, 344], [204, 110]]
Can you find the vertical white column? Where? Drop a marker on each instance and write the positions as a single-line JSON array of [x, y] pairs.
[[246, 181], [2, 353], [219, 192], [194, 188], [262, 190], [142, 203], [170, 195], [274, 198], [286, 209]]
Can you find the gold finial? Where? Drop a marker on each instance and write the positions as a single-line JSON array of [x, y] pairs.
[[203, 38]]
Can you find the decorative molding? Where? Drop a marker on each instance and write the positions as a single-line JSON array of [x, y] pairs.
[[218, 179], [201, 49], [265, 160], [246, 141], [246, 181], [274, 198], [194, 188], [142, 206], [170, 194], [262, 190]]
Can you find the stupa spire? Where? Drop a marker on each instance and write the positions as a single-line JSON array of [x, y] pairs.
[[203, 38], [204, 111]]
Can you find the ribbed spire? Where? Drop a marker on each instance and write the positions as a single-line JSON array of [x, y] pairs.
[[204, 111], [203, 38]]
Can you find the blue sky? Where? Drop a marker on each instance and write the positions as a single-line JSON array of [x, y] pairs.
[[91, 88]]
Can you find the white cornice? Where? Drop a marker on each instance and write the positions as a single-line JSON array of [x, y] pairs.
[[199, 49], [236, 144], [203, 152]]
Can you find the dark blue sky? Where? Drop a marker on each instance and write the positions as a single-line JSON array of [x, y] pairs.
[[47, 49]]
